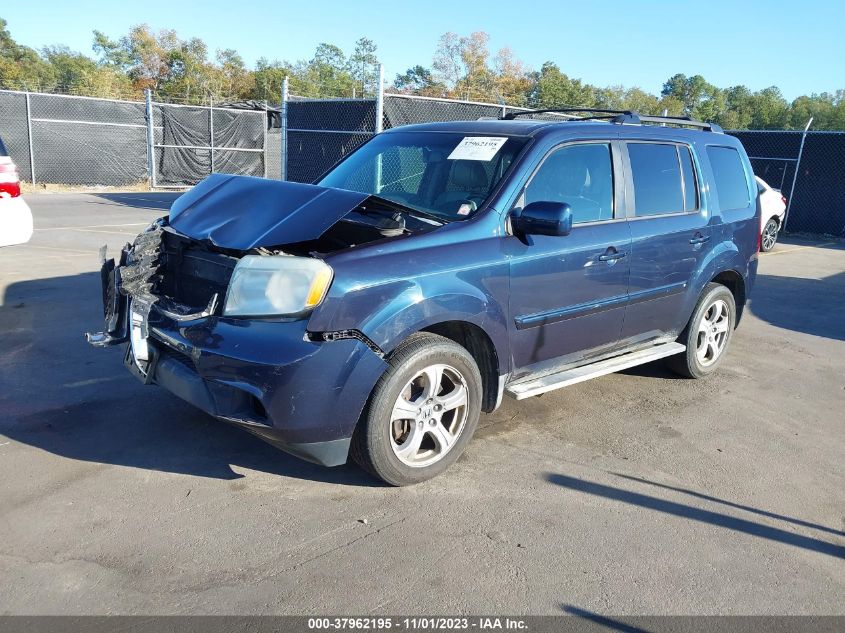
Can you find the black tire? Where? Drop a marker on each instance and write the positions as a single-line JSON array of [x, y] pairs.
[[688, 363], [770, 229], [372, 442]]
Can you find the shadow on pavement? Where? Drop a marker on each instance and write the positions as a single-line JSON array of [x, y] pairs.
[[602, 621], [811, 306], [731, 504], [70, 399], [697, 514]]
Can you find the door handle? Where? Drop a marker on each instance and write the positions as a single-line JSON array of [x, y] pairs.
[[699, 239], [611, 255]]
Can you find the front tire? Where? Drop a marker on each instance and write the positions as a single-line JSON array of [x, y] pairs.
[[770, 235], [422, 412], [707, 335]]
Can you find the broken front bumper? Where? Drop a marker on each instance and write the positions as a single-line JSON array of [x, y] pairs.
[[266, 376]]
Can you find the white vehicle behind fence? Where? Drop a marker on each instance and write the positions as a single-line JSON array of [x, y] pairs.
[[15, 216], [772, 211]]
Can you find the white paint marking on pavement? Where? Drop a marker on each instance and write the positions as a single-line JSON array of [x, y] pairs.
[[797, 248], [92, 381], [72, 251], [90, 226]]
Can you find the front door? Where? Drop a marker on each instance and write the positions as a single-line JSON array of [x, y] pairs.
[[568, 294]]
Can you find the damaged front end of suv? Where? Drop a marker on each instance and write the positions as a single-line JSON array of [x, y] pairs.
[[212, 304]]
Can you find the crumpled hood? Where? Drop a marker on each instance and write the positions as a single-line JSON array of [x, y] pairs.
[[242, 212]]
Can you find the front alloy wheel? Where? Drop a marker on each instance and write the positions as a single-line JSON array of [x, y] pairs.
[[429, 415], [422, 412]]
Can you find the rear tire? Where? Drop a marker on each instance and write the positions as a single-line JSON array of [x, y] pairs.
[[769, 237], [707, 335], [422, 412]]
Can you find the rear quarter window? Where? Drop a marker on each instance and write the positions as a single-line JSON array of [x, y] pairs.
[[729, 177], [3, 151]]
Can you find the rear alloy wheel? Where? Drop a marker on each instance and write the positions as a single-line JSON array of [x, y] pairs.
[[707, 334], [770, 235], [422, 412]]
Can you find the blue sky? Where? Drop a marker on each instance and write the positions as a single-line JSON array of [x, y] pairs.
[[796, 46]]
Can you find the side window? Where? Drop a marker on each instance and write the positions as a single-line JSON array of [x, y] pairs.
[[729, 177], [580, 175], [656, 169], [690, 182]]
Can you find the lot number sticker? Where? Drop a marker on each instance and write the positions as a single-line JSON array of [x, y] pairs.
[[477, 148]]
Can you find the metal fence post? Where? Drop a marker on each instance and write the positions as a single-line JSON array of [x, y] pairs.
[[151, 160], [379, 123], [284, 129], [264, 123], [211, 130], [380, 100], [29, 137], [795, 175]]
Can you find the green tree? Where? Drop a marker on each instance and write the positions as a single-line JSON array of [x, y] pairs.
[[328, 71], [419, 81], [267, 79], [21, 67], [700, 99], [76, 73], [363, 66], [553, 89], [770, 110]]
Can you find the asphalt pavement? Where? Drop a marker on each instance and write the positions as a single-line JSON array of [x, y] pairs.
[[635, 493]]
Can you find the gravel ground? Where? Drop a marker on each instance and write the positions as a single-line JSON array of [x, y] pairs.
[[636, 493]]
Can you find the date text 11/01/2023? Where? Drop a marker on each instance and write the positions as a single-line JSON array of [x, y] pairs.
[[417, 623]]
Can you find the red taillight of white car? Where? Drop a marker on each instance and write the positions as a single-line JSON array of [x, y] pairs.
[[10, 182]]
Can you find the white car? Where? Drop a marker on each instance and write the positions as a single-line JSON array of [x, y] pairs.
[[15, 216], [773, 209]]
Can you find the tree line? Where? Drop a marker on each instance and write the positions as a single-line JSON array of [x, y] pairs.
[[462, 67]]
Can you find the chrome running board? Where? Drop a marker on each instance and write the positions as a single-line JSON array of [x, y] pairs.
[[527, 387]]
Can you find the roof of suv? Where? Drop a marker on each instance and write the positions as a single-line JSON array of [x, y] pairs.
[[531, 127]]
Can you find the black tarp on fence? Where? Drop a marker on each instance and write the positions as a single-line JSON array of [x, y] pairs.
[[86, 141], [817, 205]]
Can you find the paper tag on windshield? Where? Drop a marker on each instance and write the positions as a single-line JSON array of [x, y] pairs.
[[477, 148]]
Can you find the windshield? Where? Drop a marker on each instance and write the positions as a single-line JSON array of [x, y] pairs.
[[445, 174]]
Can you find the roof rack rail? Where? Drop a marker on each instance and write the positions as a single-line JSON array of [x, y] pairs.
[[513, 115], [630, 117], [680, 120]]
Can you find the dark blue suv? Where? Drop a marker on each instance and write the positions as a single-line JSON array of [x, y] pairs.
[[436, 268]]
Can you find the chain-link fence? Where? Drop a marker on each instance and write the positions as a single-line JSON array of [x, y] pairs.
[[64, 139], [80, 140], [809, 170], [322, 131]]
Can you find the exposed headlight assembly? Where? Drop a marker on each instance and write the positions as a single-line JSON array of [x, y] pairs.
[[276, 285]]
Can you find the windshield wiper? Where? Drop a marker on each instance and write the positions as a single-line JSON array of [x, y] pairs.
[[394, 206]]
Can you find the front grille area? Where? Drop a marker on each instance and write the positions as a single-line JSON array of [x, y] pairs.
[[189, 273]]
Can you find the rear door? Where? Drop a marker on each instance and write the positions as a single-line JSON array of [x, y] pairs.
[[669, 233], [567, 294]]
